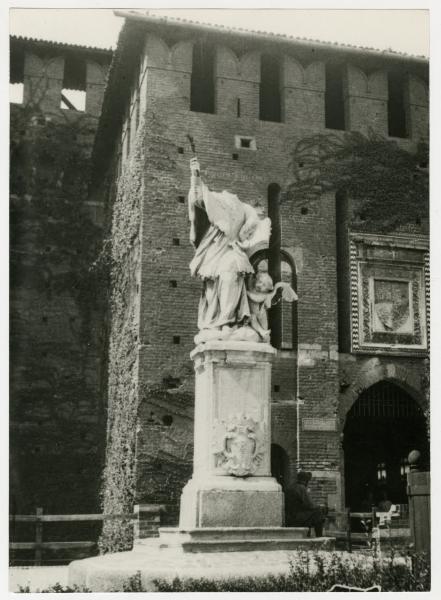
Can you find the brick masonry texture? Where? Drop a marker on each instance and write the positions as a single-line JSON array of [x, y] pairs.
[[152, 310], [57, 370], [168, 312]]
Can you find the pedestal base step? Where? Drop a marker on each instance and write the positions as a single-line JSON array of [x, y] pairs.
[[148, 562], [237, 539]]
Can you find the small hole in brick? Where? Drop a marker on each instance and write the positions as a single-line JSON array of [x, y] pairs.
[[418, 221], [176, 242], [301, 165], [173, 283], [181, 199], [277, 388], [235, 156], [304, 210], [180, 150], [176, 339], [171, 383], [167, 420]]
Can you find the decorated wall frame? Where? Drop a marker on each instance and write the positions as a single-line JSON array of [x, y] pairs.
[[389, 294]]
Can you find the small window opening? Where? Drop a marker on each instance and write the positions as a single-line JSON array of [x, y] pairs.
[[396, 110], [175, 241], [334, 99], [73, 94], [277, 388], [238, 107], [245, 141], [167, 420], [304, 210], [171, 383], [202, 77], [176, 339], [180, 150], [270, 96], [173, 283], [181, 199], [235, 156]]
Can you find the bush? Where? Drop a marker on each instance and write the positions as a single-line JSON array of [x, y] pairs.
[[315, 573], [311, 572], [55, 589]]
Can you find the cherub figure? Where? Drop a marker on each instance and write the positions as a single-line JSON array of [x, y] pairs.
[[260, 292]]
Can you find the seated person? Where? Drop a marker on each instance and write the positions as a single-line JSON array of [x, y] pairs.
[[300, 510], [384, 505]]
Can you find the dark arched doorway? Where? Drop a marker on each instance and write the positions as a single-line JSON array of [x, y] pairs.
[[381, 428], [279, 465]]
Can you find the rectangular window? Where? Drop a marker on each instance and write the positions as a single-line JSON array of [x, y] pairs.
[[73, 94], [334, 98], [270, 97], [16, 76], [396, 110], [202, 77]]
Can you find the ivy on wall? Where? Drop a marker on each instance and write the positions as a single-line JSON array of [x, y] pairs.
[[54, 242], [388, 184]]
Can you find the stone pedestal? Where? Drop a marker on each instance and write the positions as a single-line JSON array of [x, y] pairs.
[[232, 484], [231, 509]]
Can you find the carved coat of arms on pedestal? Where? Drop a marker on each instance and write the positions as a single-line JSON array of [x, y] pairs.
[[239, 445]]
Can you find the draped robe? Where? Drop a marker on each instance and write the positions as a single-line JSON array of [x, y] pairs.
[[221, 219]]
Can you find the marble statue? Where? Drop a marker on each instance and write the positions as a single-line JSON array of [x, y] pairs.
[[225, 232], [260, 292]]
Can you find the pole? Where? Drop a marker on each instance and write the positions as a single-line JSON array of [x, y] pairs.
[[299, 401], [38, 537]]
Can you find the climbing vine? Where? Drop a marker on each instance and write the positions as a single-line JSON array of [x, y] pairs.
[[388, 184], [54, 242]]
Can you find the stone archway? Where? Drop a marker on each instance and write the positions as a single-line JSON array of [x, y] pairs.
[[382, 426], [374, 371]]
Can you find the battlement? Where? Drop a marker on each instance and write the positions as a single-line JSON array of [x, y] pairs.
[[58, 76]]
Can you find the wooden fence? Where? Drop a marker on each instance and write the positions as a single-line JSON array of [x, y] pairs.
[[39, 519]]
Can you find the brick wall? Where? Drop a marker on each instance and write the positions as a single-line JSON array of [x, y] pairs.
[[57, 298], [169, 298]]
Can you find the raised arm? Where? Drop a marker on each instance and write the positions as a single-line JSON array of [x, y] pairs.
[[194, 196]]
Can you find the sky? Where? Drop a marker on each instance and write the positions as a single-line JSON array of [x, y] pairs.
[[401, 30]]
